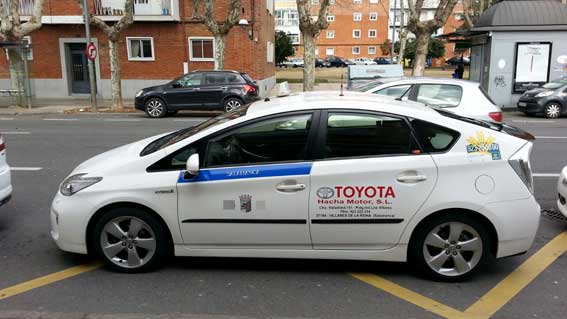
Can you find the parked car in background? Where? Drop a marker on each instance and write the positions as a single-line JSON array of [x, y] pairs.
[[5, 175], [562, 192], [320, 63], [335, 62], [293, 63], [550, 100], [456, 60], [461, 97], [382, 60], [363, 61], [198, 90]]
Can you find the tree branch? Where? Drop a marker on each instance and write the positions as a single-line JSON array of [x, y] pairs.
[[5, 23], [467, 14], [14, 12]]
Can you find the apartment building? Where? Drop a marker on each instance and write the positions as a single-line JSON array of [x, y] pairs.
[[163, 43], [357, 28]]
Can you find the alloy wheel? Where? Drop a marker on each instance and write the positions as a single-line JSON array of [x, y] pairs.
[[232, 105], [552, 110], [452, 249], [128, 242], [155, 108]]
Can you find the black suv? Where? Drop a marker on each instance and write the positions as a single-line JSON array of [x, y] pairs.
[[198, 90]]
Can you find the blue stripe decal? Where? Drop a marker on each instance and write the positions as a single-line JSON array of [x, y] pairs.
[[244, 172]]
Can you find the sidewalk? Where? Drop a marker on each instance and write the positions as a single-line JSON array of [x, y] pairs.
[[54, 106]]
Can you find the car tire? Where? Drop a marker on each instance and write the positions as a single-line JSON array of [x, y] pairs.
[[155, 108], [552, 110], [141, 249], [450, 247], [232, 104]]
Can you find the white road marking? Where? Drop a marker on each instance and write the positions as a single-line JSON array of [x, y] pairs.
[[26, 169], [122, 120], [187, 120], [6, 118], [15, 133], [545, 175], [533, 121], [60, 119], [552, 137]]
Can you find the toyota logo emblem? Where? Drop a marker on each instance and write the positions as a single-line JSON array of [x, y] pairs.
[[325, 192]]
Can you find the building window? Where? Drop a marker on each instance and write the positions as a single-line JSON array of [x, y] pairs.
[[202, 49], [27, 41], [314, 2], [330, 18], [373, 1], [372, 33], [371, 50], [140, 49], [355, 50], [330, 51], [373, 16], [317, 52], [294, 38], [271, 51], [357, 1], [331, 1], [356, 33], [357, 16], [330, 34]]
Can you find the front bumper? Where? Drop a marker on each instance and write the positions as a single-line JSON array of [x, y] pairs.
[[531, 105], [562, 193], [139, 103], [69, 218]]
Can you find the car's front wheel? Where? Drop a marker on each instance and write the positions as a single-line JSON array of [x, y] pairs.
[[552, 110], [232, 104], [450, 247], [155, 108], [130, 240]]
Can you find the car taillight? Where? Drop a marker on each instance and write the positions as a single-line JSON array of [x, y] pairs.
[[520, 162], [2, 144], [249, 88], [496, 116]]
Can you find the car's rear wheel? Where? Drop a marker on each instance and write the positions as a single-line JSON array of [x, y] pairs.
[[450, 247], [232, 104], [130, 240], [155, 108], [552, 110]]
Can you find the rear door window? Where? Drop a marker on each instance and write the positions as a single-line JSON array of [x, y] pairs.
[[232, 78], [439, 95], [215, 78]]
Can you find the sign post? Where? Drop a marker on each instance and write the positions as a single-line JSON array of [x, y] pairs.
[[91, 54]]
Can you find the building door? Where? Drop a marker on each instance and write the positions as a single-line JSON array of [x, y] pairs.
[[77, 68]]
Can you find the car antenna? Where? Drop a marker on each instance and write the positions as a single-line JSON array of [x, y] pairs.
[[342, 85]]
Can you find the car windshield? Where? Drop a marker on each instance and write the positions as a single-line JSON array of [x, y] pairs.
[[554, 85], [182, 134], [367, 86]]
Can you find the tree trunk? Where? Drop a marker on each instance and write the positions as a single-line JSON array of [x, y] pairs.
[[403, 40], [17, 75], [116, 86], [220, 44], [421, 48], [309, 46]]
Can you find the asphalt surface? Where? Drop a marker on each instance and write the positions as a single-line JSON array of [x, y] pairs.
[[229, 287]]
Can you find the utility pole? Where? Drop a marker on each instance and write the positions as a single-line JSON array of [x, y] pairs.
[[394, 31], [91, 68]]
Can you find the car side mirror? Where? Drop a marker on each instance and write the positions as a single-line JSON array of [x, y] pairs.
[[192, 167], [175, 85]]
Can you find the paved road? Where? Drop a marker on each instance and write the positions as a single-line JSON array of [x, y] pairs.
[[228, 288]]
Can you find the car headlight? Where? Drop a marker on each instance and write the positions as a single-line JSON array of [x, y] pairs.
[[544, 94], [77, 182], [139, 93]]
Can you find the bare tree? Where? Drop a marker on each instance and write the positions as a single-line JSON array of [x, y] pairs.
[[219, 29], [113, 32], [403, 34], [472, 9], [310, 28], [424, 29], [12, 29]]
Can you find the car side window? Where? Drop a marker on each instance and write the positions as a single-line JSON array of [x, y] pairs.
[[234, 79], [396, 91], [434, 138], [215, 78], [439, 95], [355, 135], [278, 139], [190, 80]]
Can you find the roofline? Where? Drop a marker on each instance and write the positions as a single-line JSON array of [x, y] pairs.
[[541, 27]]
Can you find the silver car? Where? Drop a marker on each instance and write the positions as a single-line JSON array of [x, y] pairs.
[[464, 98]]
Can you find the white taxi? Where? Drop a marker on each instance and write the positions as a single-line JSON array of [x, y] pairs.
[[314, 175], [562, 192]]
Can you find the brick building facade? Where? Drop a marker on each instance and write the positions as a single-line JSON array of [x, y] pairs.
[[162, 44]]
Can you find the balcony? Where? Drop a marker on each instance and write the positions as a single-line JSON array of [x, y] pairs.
[[25, 6], [144, 10]]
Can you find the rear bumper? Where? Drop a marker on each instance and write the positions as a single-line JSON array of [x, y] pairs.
[[5, 186], [562, 193]]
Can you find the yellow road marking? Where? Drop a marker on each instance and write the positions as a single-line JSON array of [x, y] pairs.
[[503, 292], [494, 299], [46, 280]]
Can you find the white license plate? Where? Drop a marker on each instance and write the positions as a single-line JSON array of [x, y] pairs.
[[522, 104]]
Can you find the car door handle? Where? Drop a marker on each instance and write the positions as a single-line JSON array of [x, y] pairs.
[[290, 188], [224, 87], [411, 178]]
